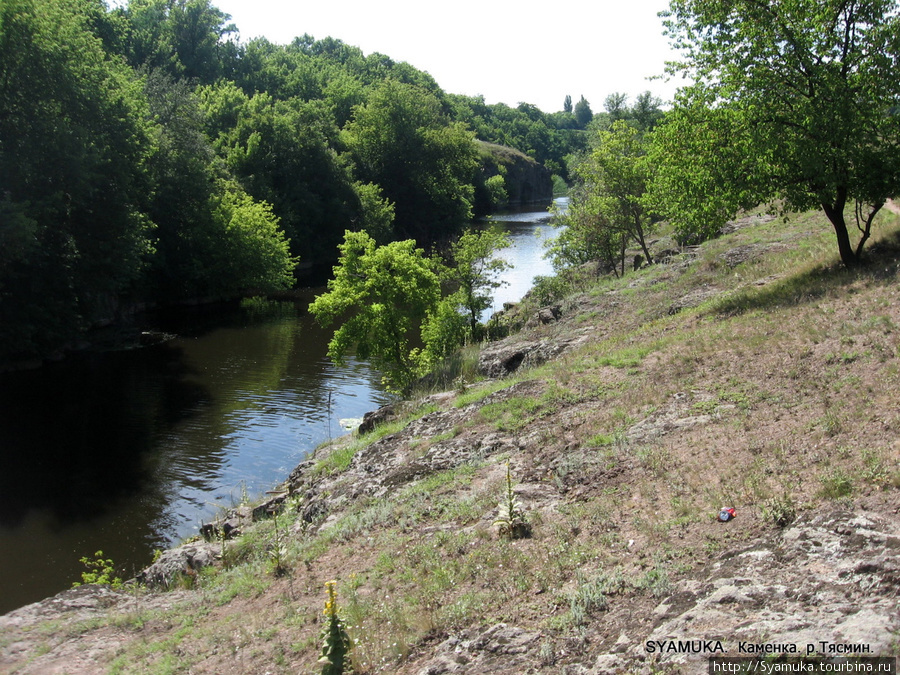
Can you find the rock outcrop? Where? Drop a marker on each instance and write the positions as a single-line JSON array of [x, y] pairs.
[[527, 182]]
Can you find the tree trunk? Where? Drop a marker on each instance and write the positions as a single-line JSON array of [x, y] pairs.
[[835, 214]]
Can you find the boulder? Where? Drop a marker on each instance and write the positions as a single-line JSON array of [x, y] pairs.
[[502, 358], [185, 560], [544, 316], [372, 419]]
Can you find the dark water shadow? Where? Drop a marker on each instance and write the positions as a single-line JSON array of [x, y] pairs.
[[74, 435]]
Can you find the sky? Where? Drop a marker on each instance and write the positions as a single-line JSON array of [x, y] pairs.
[[508, 52]]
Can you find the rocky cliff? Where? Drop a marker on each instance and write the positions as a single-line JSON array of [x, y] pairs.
[[527, 181]]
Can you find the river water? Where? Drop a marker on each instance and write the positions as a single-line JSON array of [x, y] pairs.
[[131, 451]]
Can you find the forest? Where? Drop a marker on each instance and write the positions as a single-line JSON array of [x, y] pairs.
[[148, 157]]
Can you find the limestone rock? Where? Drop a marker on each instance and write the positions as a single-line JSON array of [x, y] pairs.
[[544, 316], [502, 650], [184, 560], [506, 356]]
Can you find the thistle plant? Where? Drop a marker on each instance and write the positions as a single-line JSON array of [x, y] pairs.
[[336, 643], [511, 521]]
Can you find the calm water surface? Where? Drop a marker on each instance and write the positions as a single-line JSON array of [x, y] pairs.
[[131, 451]]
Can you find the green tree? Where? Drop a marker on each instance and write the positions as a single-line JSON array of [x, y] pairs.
[[814, 85], [402, 141], [473, 272], [610, 210], [74, 140], [279, 151], [382, 294], [705, 169], [182, 37], [586, 237], [583, 113], [254, 255], [616, 106], [567, 104]]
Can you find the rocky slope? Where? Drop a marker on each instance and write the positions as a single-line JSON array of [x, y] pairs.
[[750, 373]]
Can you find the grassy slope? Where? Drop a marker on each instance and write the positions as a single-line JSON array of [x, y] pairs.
[[772, 390]]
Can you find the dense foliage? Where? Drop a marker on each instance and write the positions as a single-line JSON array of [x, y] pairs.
[[796, 100], [146, 155], [610, 208], [381, 295]]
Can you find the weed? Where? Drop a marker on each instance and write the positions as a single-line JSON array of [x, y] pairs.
[[510, 520], [780, 510], [655, 581], [336, 647], [100, 570], [277, 550], [836, 485]]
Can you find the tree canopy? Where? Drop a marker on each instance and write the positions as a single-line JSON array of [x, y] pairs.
[[807, 91], [149, 155], [424, 162], [609, 209], [382, 295]]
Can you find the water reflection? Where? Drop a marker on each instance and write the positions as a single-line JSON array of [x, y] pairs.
[[529, 231], [131, 451]]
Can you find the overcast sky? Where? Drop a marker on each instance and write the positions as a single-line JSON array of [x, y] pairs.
[[507, 51]]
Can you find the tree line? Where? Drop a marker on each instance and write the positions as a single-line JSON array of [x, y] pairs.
[[148, 155], [794, 103]]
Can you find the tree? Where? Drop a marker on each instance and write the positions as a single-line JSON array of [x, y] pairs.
[[74, 139], [567, 104], [583, 113], [402, 141], [616, 106], [254, 254], [279, 152], [473, 271], [382, 294], [814, 85], [646, 112], [610, 209], [182, 37]]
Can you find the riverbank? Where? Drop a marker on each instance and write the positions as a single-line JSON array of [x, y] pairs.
[[752, 372]]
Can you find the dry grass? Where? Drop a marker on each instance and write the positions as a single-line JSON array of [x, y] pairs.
[[774, 394]]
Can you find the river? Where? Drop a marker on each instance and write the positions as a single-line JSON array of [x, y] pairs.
[[131, 451]]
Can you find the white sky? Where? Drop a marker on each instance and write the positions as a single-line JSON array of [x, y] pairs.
[[507, 51]]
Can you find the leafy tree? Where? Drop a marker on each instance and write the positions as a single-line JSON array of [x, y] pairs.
[[473, 271], [382, 294], [254, 253], [567, 104], [583, 113], [646, 112], [280, 153], [376, 213], [705, 169], [587, 237], [182, 37], [813, 89], [616, 106], [74, 139], [444, 331], [610, 210], [402, 141]]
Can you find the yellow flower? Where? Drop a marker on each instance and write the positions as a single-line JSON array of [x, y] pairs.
[[331, 601]]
